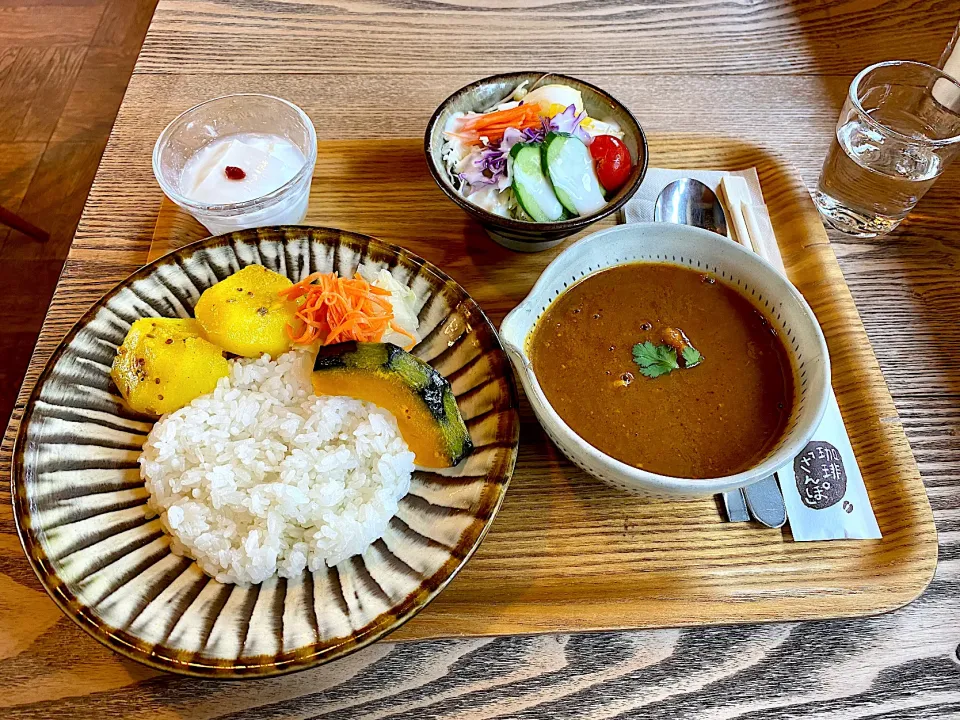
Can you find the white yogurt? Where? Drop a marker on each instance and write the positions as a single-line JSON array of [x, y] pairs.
[[270, 146], [267, 162]]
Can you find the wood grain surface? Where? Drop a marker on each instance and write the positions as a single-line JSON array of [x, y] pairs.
[[567, 553], [62, 77], [767, 72]]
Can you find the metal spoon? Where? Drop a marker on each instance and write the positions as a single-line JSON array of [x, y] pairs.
[[690, 202], [765, 502]]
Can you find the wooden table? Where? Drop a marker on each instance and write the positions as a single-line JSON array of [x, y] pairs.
[[772, 72]]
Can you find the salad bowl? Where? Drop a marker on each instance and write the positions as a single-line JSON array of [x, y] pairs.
[[701, 250], [483, 94]]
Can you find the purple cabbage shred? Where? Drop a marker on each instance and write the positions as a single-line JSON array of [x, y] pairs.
[[489, 165]]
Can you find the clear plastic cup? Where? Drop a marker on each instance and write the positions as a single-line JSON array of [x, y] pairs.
[[234, 115]]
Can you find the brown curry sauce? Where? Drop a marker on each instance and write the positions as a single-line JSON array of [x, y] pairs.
[[717, 418]]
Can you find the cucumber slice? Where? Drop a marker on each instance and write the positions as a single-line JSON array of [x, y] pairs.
[[531, 186], [568, 164]]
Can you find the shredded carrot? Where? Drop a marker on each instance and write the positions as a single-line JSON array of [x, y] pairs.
[[400, 330], [336, 309], [501, 118], [493, 125]]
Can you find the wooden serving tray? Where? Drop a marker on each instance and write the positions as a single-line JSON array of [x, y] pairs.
[[567, 553]]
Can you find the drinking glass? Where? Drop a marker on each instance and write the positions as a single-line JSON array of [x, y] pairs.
[[898, 130], [190, 131]]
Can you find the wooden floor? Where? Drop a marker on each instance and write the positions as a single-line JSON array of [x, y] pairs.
[[64, 66]]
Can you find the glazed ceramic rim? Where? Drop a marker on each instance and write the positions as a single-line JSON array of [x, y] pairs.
[[626, 193], [236, 208], [643, 479], [106, 635]]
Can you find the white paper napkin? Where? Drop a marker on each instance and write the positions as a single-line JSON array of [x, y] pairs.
[[823, 488], [640, 207]]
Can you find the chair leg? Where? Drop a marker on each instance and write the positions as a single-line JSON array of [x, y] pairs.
[[10, 218]]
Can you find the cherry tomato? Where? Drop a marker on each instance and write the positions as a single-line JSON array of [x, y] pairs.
[[612, 159]]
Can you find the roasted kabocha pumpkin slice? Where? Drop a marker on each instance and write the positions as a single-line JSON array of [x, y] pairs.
[[417, 395]]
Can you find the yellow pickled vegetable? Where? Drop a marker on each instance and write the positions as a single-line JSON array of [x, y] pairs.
[[164, 363], [244, 315]]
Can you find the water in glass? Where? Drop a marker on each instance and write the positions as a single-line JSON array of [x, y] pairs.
[[869, 185], [891, 144]]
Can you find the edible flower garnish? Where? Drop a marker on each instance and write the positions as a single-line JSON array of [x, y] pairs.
[[337, 309], [570, 122]]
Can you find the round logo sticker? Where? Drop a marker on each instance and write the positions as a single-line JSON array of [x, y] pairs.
[[820, 476]]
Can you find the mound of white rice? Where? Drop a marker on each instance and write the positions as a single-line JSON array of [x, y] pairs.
[[261, 477]]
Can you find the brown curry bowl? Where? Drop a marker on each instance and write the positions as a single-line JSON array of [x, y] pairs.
[[781, 304], [518, 234]]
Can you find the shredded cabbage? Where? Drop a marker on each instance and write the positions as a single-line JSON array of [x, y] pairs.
[[482, 173], [403, 300]]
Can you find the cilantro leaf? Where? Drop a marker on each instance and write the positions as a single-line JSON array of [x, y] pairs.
[[691, 356], [655, 360]]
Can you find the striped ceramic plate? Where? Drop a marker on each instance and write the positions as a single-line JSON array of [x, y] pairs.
[[79, 501]]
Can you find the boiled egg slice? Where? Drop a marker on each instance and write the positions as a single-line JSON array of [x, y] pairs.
[[554, 99]]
